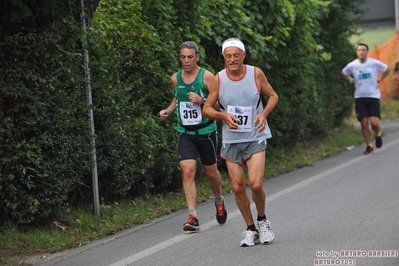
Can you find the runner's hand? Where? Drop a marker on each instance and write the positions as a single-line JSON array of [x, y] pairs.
[[260, 122], [231, 121], [194, 98], [163, 114]]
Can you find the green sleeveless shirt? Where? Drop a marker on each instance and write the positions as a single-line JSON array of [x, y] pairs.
[[188, 114]]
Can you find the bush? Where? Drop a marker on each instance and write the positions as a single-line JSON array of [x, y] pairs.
[[43, 111], [46, 140]]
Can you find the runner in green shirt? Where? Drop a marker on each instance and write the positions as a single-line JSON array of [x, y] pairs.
[[195, 134]]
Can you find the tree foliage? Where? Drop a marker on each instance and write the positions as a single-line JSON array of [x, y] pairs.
[[45, 142]]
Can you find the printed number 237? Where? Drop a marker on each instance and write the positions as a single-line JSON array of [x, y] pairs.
[[242, 120]]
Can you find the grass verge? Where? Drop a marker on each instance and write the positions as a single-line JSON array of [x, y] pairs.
[[373, 37], [76, 227]]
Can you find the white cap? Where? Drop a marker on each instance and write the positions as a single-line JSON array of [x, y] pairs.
[[233, 43]]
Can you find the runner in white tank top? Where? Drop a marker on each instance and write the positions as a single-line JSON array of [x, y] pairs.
[[241, 98], [245, 132]]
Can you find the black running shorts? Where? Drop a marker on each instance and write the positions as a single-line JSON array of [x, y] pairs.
[[367, 107], [189, 146]]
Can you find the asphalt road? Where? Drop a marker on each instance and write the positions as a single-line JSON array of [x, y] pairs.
[[342, 210]]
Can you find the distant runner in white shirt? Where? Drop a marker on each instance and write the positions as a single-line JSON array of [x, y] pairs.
[[363, 74]]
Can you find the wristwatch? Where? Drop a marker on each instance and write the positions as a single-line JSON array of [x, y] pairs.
[[203, 100]]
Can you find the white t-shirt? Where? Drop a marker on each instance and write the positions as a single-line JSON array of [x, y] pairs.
[[365, 75]]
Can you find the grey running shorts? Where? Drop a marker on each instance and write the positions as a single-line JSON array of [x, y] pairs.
[[241, 152]]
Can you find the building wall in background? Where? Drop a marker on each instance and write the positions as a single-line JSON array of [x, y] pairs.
[[378, 13]]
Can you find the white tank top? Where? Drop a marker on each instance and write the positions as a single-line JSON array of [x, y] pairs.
[[243, 99]]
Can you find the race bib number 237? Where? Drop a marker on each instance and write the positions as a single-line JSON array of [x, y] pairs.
[[244, 116]]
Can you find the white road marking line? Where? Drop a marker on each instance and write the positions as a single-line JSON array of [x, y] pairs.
[[176, 239]]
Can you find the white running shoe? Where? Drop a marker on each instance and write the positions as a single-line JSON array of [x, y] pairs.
[[266, 234], [250, 238]]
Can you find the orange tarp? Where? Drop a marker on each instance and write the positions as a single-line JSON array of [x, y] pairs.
[[388, 53]]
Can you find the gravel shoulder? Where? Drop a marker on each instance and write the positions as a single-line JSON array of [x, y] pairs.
[[390, 125]]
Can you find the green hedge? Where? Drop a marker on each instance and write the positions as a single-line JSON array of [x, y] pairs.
[[46, 141]]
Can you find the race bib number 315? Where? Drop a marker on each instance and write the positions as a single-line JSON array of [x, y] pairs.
[[190, 113]]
